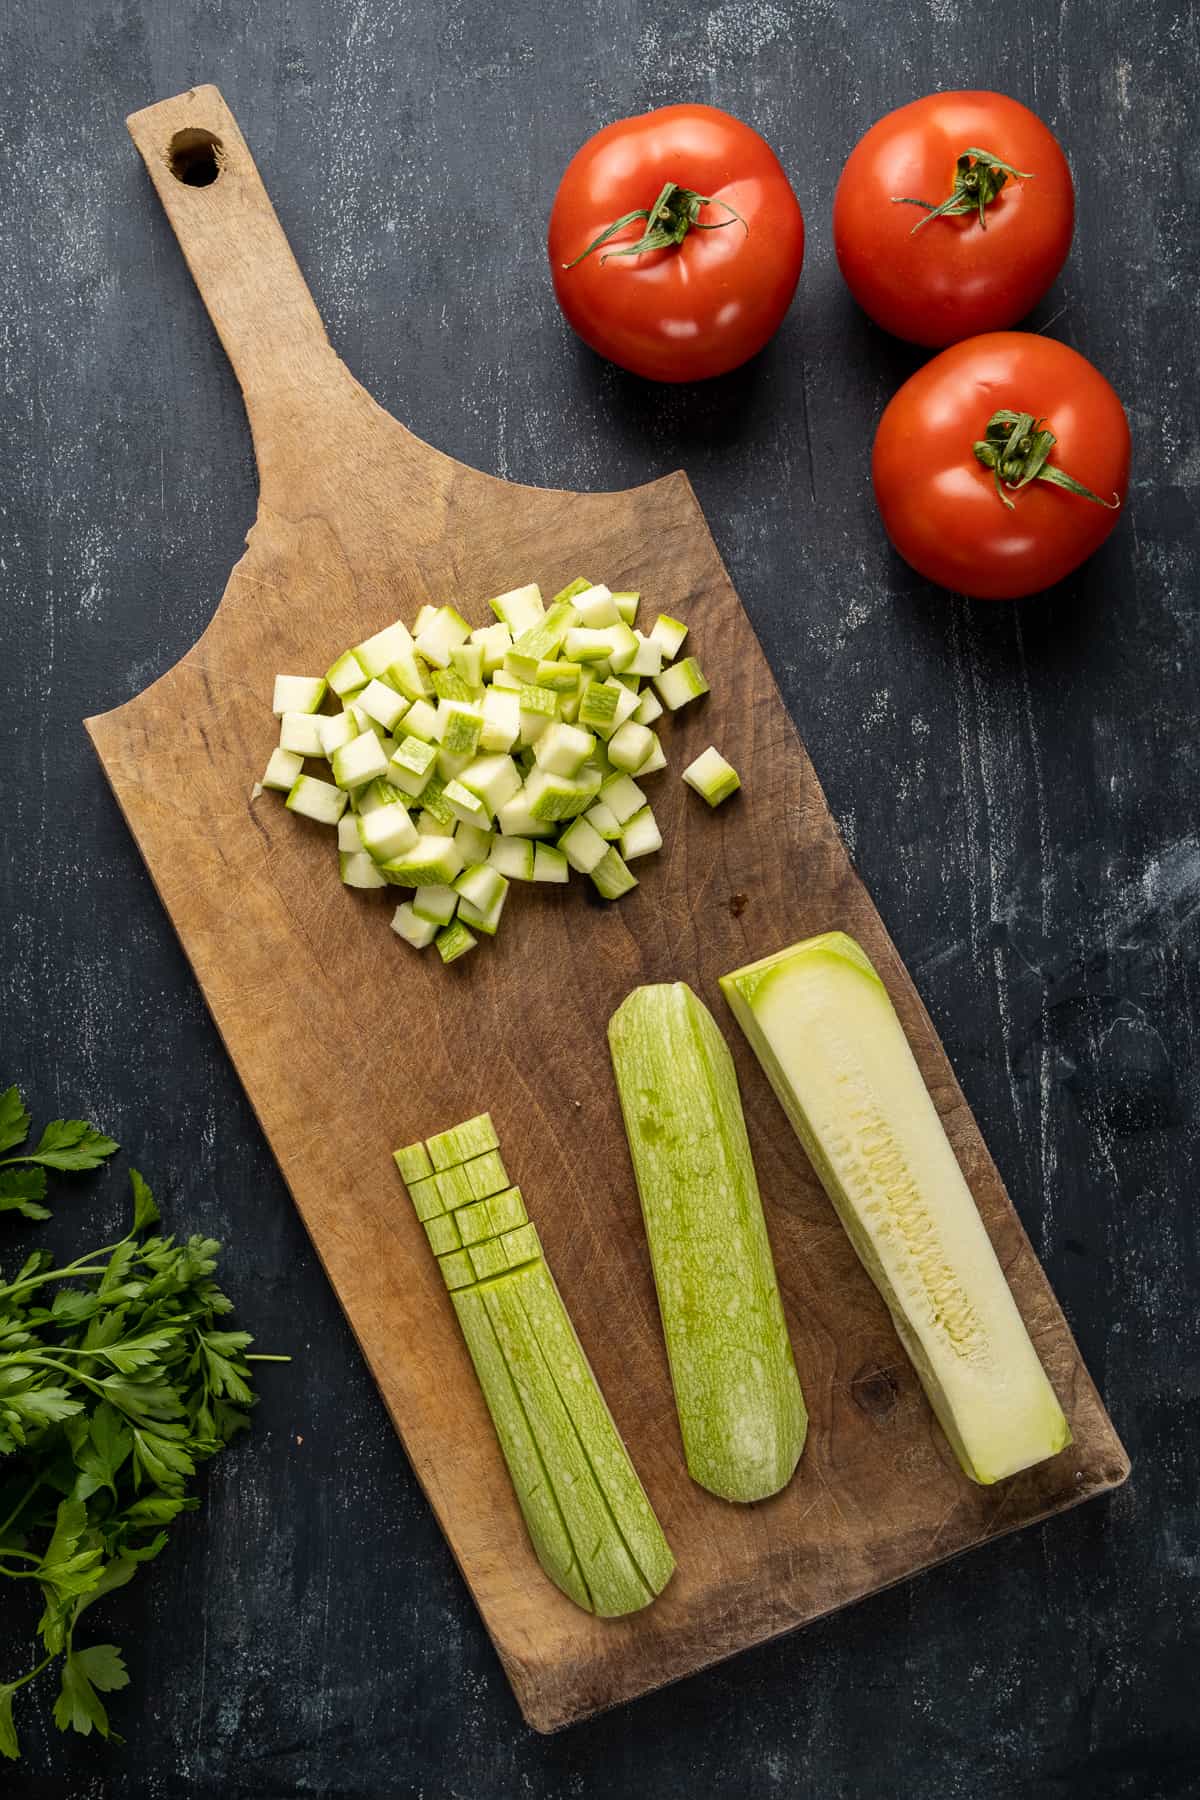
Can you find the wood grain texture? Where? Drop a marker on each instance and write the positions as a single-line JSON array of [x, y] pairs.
[[348, 1045]]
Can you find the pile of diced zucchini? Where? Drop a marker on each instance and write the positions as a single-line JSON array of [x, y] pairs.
[[462, 761]]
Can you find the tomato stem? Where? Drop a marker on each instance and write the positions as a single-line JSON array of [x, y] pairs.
[[667, 222], [1015, 446], [978, 178]]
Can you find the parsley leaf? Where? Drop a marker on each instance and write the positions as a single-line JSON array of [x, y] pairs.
[[79, 1706], [70, 1144], [9, 1746], [14, 1120], [21, 1190]]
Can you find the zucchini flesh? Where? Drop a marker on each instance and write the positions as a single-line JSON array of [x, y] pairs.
[[589, 1520], [820, 1021], [741, 1411]]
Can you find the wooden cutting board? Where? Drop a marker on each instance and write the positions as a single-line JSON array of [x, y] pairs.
[[349, 1043]]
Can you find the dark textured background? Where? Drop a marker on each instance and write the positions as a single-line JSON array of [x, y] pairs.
[[1018, 784]]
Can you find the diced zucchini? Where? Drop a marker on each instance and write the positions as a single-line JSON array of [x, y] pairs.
[[424, 614], [315, 799], [712, 777], [512, 857], [460, 723], [298, 694], [501, 720], [462, 1142], [563, 749], [448, 684], [457, 1273], [626, 704], [467, 662], [426, 1196], [347, 676], [301, 734], [627, 606], [488, 1259], [467, 807], [379, 652], [375, 795], [599, 704], [455, 1188], [358, 870], [549, 864], [623, 797], [560, 677], [668, 634], [545, 639], [442, 1234], [387, 832], [649, 657], [582, 846], [506, 1210], [440, 634], [602, 819], [521, 1246], [596, 607], [336, 729], [649, 708], [411, 766], [432, 862], [416, 931], [656, 760], [552, 797], [347, 832], [630, 745], [682, 682], [493, 779], [481, 886], [474, 842], [740, 1407], [412, 1161], [504, 683], [611, 875], [821, 1023], [614, 644], [284, 768], [641, 836], [435, 904], [538, 710], [454, 941], [520, 608], [421, 722], [485, 919], [515, 819], [382, 704], [486, 1175], [363, 759], [451, 763]]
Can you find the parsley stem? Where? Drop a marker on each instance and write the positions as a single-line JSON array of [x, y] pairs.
[[12, 1686]]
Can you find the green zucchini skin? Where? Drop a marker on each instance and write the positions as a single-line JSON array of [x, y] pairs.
[[741, 1410]]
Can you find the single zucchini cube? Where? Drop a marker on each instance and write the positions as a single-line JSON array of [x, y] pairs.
[[656, 760], [347, 676], [712, 777], [467, 807], [387, 832], [682, 682], [347, 832], [520, 608], [409, 675], [454, 1186], [563, 749], [316, 799], [485, 1174], [451, 763], [376, 795], [506, 1210], [512, 857], [467, 662], [284, 768], [623, 797], [411, 766], [560, 677], [440, 634], [579, 585], [442, 1233], [640, 836], [649, 658], [336, 729], [630, 745], [448, 684], [424, 614], [435, 904], [549, 864], [298, 693], [582, 846], [454, 941], [649, 708], [596, 607], [612, 876], [358, 870], [416, 931], [382, 704], [482, 887], [460, 723], [501, 723], [301, 734], [485, 919], [521, 1246], [668, 634], [456, 1270], [599, 705], [421, 721], [602, 819], [432, 861], [412, 1162], [627, 606], [515, 819], [462, 1142], [426, 1197], [475, 844], [363, 759], [433, 799], [624, 706], [538, 709], [474, 1223], [491, 779], [378, 653], [488, 1259], [495, 641]]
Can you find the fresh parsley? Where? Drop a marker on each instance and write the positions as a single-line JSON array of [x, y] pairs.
[[118, 1375]]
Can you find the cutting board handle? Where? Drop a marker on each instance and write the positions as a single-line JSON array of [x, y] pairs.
[[240, 259]]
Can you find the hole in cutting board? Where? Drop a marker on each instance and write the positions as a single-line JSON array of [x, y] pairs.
[[195, 157]]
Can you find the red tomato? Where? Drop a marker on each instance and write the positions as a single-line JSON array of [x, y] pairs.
[[940, 503], [706, 302], [936, 280]]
